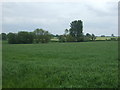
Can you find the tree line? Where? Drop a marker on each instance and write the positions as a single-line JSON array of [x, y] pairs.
[[24, 37], [74, 34]]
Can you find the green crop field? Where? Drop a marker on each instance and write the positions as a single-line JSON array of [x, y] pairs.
[[61, 65]]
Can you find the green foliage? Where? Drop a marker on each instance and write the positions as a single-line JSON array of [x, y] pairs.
[[74, 34], [93, 37], [42, 36], [12, 38], [4, 36], [0, 36], [112, 35], [60, 65], [21, 37], [62, 38], [69, 38], [89, 37], [113, 39], [102, 35], [76, 30], [66, 31], [118, 39], [25, 37]]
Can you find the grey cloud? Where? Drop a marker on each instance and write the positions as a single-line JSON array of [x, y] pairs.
[[56, 17]]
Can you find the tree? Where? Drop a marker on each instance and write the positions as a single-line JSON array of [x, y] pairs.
[[12, 38], [102, 35], [88, 37], [62, 38], [4, 36], [21, 37], [46, 37], [25, 37], [66, 31], [93, 37], [57, 35], [31, 37], [113, 39], [42, 36], [112, 35], [0, 36], [69, 38], [76, 30]]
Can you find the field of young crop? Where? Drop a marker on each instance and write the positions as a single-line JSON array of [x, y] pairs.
[[61, 65]]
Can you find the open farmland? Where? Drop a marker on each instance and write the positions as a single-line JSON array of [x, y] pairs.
[[61, 65], [98, 38], [105, 38]]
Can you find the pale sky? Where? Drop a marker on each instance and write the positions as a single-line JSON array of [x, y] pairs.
[[99, 17]]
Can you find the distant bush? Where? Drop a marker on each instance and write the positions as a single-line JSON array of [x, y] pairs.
[[118, 38], [12, 38], [20, 38], [62, 38], [25, 37], [114, 39], [3, 36], [89, 37], [102, 35], [86, 39], [42, 36], [108, 39], [69, 38]]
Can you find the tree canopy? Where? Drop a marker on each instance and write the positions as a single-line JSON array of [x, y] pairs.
[[23, 37], [42, 36], [76, 30], [73, 34]]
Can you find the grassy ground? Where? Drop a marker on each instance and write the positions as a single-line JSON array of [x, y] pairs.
[[61, 65]]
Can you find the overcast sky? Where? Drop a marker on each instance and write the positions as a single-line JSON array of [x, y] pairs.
[[99, 16]]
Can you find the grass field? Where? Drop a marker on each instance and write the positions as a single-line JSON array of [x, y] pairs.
[[61, 65]]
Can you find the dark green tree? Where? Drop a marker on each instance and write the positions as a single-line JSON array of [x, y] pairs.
[[62, 38], [42, 36], [12, 38], [0, 36], [112, 35], [4, 36], [88, 37], [66, 31], [57, 35], [31, 37], [69, 38], [93, 37], [25, 37], [76, 30], [102, 35]]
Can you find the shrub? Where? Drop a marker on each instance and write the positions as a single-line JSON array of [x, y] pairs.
[[12, 38], [113, 39]]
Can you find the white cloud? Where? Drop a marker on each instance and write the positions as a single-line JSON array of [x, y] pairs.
[[99, 16], [0, 17]]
